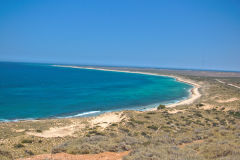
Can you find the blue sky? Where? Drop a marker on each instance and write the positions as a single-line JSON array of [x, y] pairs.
[[198, 34]]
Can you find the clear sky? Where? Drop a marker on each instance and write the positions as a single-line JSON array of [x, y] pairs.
[[198, 34]]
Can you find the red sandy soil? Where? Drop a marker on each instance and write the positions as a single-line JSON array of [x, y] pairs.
[[65, 156]]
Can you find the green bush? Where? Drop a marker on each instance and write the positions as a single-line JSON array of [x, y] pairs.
[[19, 145], [147, 117], [151, 112], [153, 127], [29, 152], [95, 132], [125, 130], [39, 131], [199, 105], [136, 121], [144, 134], [161, 107], [27, 141]]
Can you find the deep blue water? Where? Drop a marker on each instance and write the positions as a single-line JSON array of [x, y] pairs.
[[40, 91]]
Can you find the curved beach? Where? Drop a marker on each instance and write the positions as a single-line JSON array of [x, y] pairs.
[[194, 92]]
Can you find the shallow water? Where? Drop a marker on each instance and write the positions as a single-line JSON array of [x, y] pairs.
[[30, 91]]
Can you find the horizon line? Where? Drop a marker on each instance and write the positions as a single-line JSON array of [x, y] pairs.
[[129, 66]]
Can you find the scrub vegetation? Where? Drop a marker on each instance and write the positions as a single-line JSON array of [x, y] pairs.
[[207, 129]]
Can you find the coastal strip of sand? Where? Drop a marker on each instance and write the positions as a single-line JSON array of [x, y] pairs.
[[194, 92]]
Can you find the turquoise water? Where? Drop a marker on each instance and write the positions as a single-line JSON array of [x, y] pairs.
[[30, 91]]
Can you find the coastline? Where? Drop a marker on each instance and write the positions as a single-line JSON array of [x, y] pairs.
[[108, 130], [194, 92]]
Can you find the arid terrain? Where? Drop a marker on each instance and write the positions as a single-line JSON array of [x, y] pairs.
[[208, 128]]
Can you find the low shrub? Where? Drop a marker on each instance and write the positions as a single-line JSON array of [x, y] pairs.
[[27, 141], [161, 107], [153, 127], [29, 152], [199, 105], [125, 130], [147, 117], [19, 145], [151, 112], [136, 121], [39, 131], [6, 154], [144, 134], [95, 132]]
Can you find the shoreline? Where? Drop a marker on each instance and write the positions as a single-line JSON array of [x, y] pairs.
[[194, 93]]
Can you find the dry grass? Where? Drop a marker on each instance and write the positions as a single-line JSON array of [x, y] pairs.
[[207, 129]]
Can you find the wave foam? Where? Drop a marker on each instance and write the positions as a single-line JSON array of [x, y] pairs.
[[83, 114], [16, 120]]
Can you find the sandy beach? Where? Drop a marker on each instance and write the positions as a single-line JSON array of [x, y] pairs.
[[113, 135], [194, 92]]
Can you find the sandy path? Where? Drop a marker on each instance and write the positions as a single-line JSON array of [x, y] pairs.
[[194, 93], [228, 84], [227, 100], [234, 85]]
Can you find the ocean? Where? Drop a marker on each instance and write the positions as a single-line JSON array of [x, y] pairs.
[[34, 91]]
